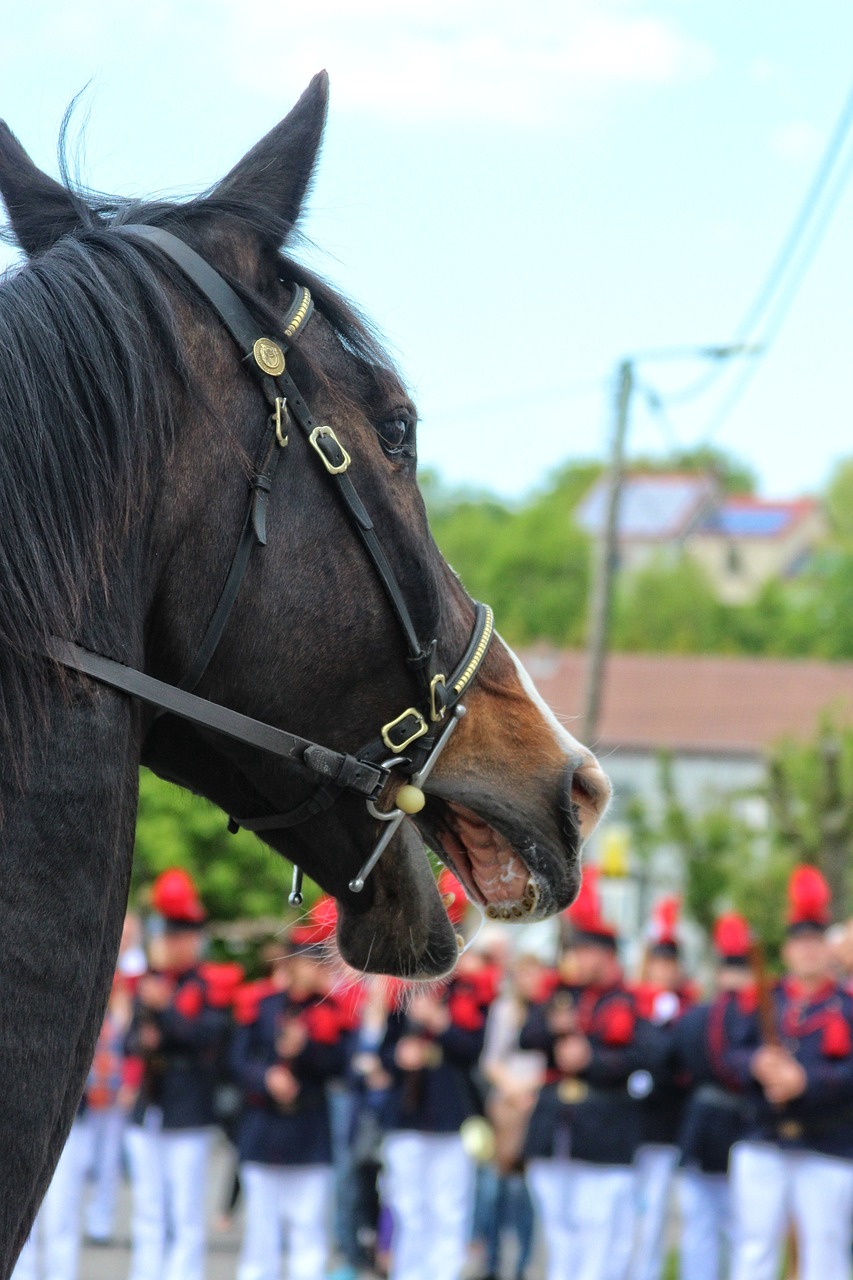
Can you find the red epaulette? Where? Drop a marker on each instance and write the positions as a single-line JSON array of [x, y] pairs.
[[189, 1001], [465, 1007], [247, 1000], [835, 1040], [350, 1000], [487, 983], [221, 981], [548, 984], [615, 1023], [323, 1021], [644, 995], [132, 1071]]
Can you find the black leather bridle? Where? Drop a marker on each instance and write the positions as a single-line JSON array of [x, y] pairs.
[[412, 742]]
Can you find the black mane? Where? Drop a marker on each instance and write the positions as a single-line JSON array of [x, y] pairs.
[[87, 331]]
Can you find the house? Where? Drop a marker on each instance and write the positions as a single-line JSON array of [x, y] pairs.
[[747, 541], [657, 513], [740, 541]]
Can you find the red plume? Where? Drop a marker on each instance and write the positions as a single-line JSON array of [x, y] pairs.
[[665, 919], [808, 897], [732, 937], [319, 924], [174, 895], [585, 911]]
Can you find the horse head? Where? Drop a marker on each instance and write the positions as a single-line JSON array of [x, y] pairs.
[[313, 643]]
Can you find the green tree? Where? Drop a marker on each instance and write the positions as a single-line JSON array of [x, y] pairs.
[[238, 877], [668, 608]]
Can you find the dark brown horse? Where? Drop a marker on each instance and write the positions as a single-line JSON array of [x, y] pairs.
[[129, 439]]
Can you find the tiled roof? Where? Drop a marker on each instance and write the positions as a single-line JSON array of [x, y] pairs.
[[653, 506], [754, 517], [707, 705]]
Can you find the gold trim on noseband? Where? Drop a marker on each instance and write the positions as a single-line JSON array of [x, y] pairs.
[[301, 313], [479, 653]]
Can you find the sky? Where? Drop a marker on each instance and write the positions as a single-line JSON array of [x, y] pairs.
[[520, 196]]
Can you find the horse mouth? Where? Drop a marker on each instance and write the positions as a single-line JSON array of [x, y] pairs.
[[498, 875]]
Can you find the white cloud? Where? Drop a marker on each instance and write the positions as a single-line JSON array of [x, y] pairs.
[[797, 141], [471, 57]]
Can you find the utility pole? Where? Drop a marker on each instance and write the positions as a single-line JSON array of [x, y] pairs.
[[607, 551], [604, 568]]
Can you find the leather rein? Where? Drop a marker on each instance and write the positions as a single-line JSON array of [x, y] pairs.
[[412, 741]]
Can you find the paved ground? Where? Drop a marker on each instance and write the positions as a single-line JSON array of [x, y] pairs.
[[112, 1262]]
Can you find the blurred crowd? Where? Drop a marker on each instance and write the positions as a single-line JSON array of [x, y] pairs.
[[423, 1133]]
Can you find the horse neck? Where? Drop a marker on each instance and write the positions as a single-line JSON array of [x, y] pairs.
[[66, 840]]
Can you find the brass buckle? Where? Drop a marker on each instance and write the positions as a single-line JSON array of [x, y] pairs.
[[280, 409], [436, 713], [420, 727], [326, 433]]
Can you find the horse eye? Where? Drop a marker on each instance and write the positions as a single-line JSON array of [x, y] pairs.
[[394, 434]]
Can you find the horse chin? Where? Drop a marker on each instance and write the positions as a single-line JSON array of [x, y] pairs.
[[400, 927]]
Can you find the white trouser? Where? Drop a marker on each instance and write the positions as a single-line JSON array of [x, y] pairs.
[[56, 1232], [587, 1217], [772, 1189], [429, 1187], [168, 1173], [285, 1203], [105, 1127], [705, 1224], [655, 1167]]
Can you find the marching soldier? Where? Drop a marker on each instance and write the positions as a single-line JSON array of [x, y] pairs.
[[174, 1046], [289, 1042], [430, 1051], [663, 995], [586, 1126], [793, 1056], [714, 1115]]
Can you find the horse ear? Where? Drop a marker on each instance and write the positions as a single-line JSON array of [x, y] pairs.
[[276, 173], [41, 210]]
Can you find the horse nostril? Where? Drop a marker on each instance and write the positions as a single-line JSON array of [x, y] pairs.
[[589, 792]]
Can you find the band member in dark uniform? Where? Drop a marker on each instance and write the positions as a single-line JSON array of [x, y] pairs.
[[714, 1116], [174, 1046], [586, 1126], [663, 994], [794, 1056], [431, 1048]]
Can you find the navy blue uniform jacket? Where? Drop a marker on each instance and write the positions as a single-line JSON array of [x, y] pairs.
[[181, 1075], [299, 1133], [592, 1117], [818, 1030], [438, 1098], [715, 1115]]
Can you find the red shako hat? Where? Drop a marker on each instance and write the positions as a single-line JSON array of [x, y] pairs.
[[175, 897], [318, 926], [732, 938], [584, 915], [808, 901], [448, 884], [663, 931]]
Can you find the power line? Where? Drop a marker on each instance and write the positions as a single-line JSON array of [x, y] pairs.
[[775, 278], [777, 317]]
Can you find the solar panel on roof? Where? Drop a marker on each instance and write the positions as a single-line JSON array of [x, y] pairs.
[[650, 506]]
